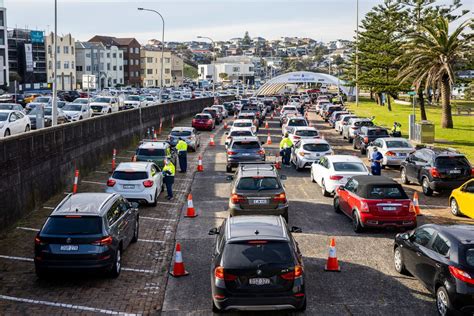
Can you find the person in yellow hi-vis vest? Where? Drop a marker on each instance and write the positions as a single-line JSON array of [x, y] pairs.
[[285, 149], [168, 177], [182, 148]]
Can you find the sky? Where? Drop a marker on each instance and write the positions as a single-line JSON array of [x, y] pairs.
[[322, 20]]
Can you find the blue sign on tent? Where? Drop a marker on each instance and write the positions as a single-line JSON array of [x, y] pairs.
[[37, 37]]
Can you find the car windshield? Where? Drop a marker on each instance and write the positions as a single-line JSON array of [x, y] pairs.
[[316, 147], [3, 117], [47, 111], [306, 133], [386, 192], [378, 132], [258, 183], [470, 257], [202, 117], [257, 254], [151, 152], [63, 225], [241, 133], [398, 144], [130, 175], [452, 162], [81, 101], [41, 99], [242, 124], [101, 100], [6, 106], [246, 145], [181, 133], [150, 99], [289, 108], [349, 166], [72, 107], [133, 98], [363, 123], [294, 122]]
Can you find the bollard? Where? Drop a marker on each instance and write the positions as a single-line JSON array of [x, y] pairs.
[[76, 179]]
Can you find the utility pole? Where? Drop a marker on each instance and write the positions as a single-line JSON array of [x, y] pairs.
[[54, 115], [214, 66], [357, 55]]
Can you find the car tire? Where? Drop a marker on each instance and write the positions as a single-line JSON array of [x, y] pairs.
[[363, 151], [27, 128], [303, 307], [335, 204], [40, 273], [398, 261], [117, 266], [425, 185], [312, 177], [80, 118], [215, 309], [7, 133], [354, 145], [356, 224], [155, 199], [228, 168], [455, 207], [323, 189], [443, 303], [136, 231], [403, 176]]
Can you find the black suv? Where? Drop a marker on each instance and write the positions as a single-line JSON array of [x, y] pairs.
[[436, 169], [256, 265], [367, 135], [87, 231]]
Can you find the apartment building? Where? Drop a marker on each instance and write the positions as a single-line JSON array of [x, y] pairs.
[[66, 59], [151, 68], [4, 72]]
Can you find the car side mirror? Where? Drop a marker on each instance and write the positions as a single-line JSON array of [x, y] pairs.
[[230, 178], [295, 229], [405, 236], [214, 231], [342, 188], [283, 177]]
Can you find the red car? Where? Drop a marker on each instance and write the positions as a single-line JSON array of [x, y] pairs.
[[203, 121], [375, 201]]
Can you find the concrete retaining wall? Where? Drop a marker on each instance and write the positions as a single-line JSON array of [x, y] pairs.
[[36, 165]]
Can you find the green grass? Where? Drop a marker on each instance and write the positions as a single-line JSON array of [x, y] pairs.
[[460, 137]]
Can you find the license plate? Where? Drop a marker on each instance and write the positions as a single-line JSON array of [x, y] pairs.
[[455, 171], [245, 154], [402, 154], [389, 208], [258, 202], [69, 248], [259, 281], [129, 186]]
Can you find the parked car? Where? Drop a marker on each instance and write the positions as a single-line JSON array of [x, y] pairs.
[[256, 265], [244, 149], [188, 134], [329, 110], [134, 102], [394, 150], [436, 169], [287, 110], [45, 101], [151, 100], [332, 171], [245, 123], [442, 259], [302, 132], [335, 117], [137, 181], [11, 106], [104, 105], [61, 117], [353, 126], [230, 107], [13, 98], [29, 97], [214, 113], [156, 151], [256, 189], [86, 231], [462, 200], [77, 111], [367, 135], [203, 121], [13, 122], [222, 110], [308, 151], [343, 119], [238, 132]]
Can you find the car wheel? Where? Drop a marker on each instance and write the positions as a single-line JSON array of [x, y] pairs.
[[363, 151], [455, 207], [303, 307], [354, 145], [110, 111], [117, 266], [155, 199], [443, 304], [228, 169], [398, 261], [335, 204], [136, 231], [356, 225], [403, 176], [426, 187], [27, 128], [215, 309], [323, 189], [7, 133], [312, 177]]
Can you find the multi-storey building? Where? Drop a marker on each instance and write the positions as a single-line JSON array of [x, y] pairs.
[[66, 59], [151, 68], [4, 73]]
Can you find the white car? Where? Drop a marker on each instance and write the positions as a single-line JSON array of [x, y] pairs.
[[134, 102], [308, 151], [393, 149], [45, 101], [352, 128], [245, 123], [222, 110], [77, 111], [333, 171], [303, 132], [343, 119], [151, 100], [82, 100], [13, 122], [137, 181], [104, 105], [238, 131], [292, 122]]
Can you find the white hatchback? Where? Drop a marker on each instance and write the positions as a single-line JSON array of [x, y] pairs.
[[13, 122], [393, 149], [245, 123], [77, 111], [308, 151]]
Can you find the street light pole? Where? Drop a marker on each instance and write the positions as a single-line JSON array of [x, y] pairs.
[[214, 67], [357, 55], [54, 115], [162, 48]]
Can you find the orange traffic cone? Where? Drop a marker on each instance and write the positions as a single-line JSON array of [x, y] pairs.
[[277, 161], [225, 125], [161, 126], [178, 268], [269, 139], [211, 142], [190, 212], [134, 158], [200, 168], [332, 264], [76, 180], [266, 125], [155, 137], [416, 204], [114, 154]]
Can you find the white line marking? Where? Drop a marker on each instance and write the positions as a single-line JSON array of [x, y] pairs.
[[29, 229], [138, 270], [433, 206], [158, 219], [128, 158], [167, 203], [153, 241], [17, 258], [104, 172], [63, 305], [48, 207], [180, 191], [92, 182]]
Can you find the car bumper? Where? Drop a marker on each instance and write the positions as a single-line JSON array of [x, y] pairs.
[[146, 196], [260, 303], [236, 210], [234, 162], [446, 185], [395, 161], [202, 126], [103, 261], [369, 220]]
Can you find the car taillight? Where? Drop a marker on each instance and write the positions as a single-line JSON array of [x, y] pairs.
[[111, 183], [290, 276], [261, 152], [390, 153], [296, 137], [38, 241], [411, 208], [364, 207], [220, 274], [461, 275], [236, 199], [103, 241], [472, 172], [434, 173], [337, 178], [280, 198], [209, 121], [148, 183], [230, 152], [366, 140], [194, 121]]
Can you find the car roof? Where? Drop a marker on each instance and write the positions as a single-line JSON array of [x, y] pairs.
[[313, 141], [243, 121], [241, 128], [463, 233], [182, 129], [370, 179], [153, 144], [133, 166], [83, 204], [256, 227], [245, 139], [258, 169], [8, 111], [343, 158], [206, 114]]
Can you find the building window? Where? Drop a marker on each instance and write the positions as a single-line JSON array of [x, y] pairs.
[[137, 62], [236, 69], [58, 64], [120, 68], [121, 81], [125, 62], [149, 82], [114, 68], [88, 68], [72, 65], [78, 68], [101, 66], [72, 50], [49, 49], [59, 49], [108, 66], [88, 55], [131, 50], [137, 50], [66, 65], [120, 55], [66, 49], [167, 81], [137, 74], [108, 55], [167, 60], [149, 71], [167, 71], [114, 55], [50, 64], [149, 60], [115, 81]]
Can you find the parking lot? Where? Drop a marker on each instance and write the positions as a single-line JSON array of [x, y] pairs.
[[367, 285]]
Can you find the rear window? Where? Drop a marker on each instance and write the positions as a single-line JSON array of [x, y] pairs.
[[84, 225], [297, 123], [379, 132], [241, 133], [242, 124], [124, 175], [246, 145], [289, 108], [334, 109], [386, 192], [181, 133], [307, 133], [470, 257], [202, 117], [151, 152], [258, 183], [398, 144], [363, 123], [316, 147], [257, 255], [452, 162], [349, 166]]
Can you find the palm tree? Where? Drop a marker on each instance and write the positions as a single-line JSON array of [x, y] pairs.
[[430, 56]]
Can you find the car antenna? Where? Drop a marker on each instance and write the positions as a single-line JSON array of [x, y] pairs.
[[257, 232]]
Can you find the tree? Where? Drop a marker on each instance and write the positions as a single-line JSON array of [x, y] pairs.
[[431, 56], [223, 76], [246, 41]]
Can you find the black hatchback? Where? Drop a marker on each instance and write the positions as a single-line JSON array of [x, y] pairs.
[[87, 231], [442, 258], [256, 265]]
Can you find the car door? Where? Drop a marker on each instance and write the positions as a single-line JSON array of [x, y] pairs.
[[417, 247], [411, 166], [433, 258], [14, 123], [112, 217], [345, 194], [21, 122], [320, 170], [157, 177], [126, 222], [465, 199], [352, 197]]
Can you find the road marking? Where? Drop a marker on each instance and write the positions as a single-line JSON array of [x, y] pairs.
[[48, 207], [92, 182], [152, 241], [17, 258], [104, 172], [433, 206], [119, 157], [29, 229], [167, 203], [63, 305], [158, 219], [138, 270]]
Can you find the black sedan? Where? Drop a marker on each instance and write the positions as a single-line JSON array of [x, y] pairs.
[[442, 258]]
